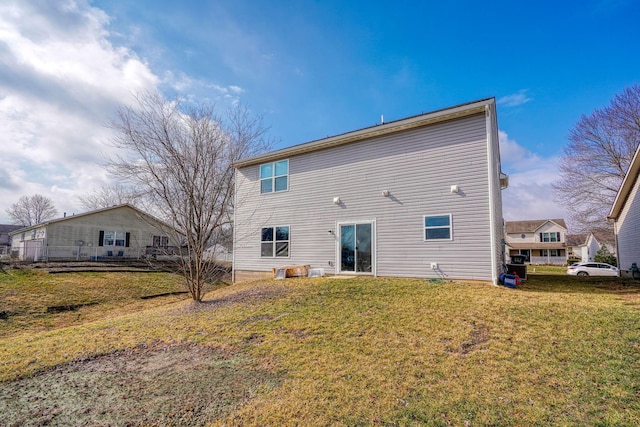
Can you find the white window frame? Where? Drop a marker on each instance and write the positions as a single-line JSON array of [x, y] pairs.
[[113, 237], [556, 235], [425, 227], [275, 241], [273, 177], [163, 241]]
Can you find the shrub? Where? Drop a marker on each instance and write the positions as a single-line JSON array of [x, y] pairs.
[[603, 255]]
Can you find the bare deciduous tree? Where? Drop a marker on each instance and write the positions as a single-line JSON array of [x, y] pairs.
[[597, 158], [32, 210], [182, 156], [111, 195]]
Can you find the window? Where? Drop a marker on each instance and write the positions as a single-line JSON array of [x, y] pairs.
[[550, 252], [274, 177], [114, 238], [437, 227], [550, 237], [160, 241], [274, 242]]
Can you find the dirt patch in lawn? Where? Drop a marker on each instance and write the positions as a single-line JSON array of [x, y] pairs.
[[249, 295], [161, 385]]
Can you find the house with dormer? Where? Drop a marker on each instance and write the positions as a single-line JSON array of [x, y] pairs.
[[542, 241]]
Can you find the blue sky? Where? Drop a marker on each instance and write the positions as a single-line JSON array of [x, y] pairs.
[[311, 69]]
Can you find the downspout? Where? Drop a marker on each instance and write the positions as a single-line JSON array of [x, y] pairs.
[[235, 207], [493, 225], [615, 236]]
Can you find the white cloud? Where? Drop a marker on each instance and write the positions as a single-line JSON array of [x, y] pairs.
[[61, 80], [529, 195], [515, 99]]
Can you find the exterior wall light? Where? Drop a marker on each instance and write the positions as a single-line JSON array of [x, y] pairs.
[[455, 188], [385, 193], [336, 200]]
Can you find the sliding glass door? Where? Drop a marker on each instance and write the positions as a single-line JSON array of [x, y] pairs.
[[356, 248]]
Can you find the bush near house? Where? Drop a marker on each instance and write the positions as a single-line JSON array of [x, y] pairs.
[[603, 255], [554, 351]]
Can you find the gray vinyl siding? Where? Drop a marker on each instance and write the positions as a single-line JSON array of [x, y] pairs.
[[418, 168], [628, 229]]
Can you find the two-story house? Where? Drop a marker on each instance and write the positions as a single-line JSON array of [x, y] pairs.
[[417, 197], [542, 241]]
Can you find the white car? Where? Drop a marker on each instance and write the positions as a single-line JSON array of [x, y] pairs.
[[593, 269]]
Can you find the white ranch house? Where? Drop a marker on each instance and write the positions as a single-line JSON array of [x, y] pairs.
[[113, 233], [417, 197]]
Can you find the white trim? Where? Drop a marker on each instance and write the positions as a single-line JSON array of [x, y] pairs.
[[490, 171], [275, 241], [424, 227], [235, 225], [374, 248], [273, 176], [626, 187]]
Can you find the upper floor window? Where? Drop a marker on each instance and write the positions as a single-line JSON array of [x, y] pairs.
[[274, 176], [550, 237], [437, 227]]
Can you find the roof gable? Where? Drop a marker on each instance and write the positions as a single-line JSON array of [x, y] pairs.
[[530, 226], [8, 228], [425, 119], [577, 239], [628, 182], [85, 214]]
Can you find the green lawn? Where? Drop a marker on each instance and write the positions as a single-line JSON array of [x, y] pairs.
[[555, 351]]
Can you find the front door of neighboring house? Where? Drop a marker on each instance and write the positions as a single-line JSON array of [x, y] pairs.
[[526, 252], [356, 248]]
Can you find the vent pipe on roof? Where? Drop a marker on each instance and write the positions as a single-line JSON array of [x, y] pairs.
[[381, 119]]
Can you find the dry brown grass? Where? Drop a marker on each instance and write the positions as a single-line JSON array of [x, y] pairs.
[[556, 351]]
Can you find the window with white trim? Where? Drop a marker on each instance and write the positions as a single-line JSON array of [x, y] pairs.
[[437, 227], [550, 237], [113, 238], [274, 242], [550, 252], [160, 241], [274, 177]]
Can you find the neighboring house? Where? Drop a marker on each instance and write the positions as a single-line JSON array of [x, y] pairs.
[[625, 214], [417, 197], [582, 246], [5, 241], [219, 253], [542, 241], [117, 232]]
